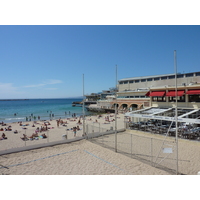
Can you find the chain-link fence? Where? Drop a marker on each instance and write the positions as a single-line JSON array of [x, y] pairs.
[[160, 153]]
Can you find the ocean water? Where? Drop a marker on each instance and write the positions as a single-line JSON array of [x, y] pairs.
[[18, 110]]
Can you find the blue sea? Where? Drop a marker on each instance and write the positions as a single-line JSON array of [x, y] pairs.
[[18, 110]]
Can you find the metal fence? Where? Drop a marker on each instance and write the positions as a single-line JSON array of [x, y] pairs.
[[155, 152]]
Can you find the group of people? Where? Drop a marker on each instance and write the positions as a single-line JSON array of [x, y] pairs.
[[33, 136], [9, 128], [107, 119], [45, 127], [38, 130], [2, 123], [61, 122], [75, 129], [32, 117]]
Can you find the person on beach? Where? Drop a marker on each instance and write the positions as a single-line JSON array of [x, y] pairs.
[[46, 126], [8, 129], [4, 136], [58, 122], [24, 138], [74, 130], [34, 135], [44, 136], [3, 124]]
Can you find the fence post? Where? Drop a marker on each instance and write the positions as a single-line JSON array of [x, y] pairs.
[[25, 137], [47, 136], [131, 145], [102, 137], [87, 131]]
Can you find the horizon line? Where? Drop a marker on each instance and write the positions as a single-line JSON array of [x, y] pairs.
[[79, 97]]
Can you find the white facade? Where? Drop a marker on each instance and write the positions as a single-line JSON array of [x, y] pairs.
[[147, 82]]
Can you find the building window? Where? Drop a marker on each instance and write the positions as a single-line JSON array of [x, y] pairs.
[[189, 75], [143, 80], [164, 78], [143, 97], [156, 79], [137, 81], [131, 81], [172, 77], [159, 99], [194, 98], [179, 99], [198, 74], [125, 82], [180, 76], [149, 79]]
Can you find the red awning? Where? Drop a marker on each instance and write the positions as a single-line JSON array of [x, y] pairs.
[[173, 93], [157, 94], [191, 92], [147, 94]]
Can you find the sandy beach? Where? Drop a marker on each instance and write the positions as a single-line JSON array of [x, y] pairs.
[[83, 157], [55, 132]]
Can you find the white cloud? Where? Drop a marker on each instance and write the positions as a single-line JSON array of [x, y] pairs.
[[37, 85], [47, 82], [7, 87], [52, 81], [51, 88], [7, 90]]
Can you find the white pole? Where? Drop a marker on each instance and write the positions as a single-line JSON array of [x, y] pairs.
[[25, 137], [116, 114], [83, 108], [176, 112]]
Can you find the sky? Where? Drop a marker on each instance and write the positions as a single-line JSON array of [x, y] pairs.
[[51, 61], [46, 49]]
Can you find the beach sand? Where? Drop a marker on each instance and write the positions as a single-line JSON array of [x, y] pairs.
[[84, 157], [77, 158], [55, 132]]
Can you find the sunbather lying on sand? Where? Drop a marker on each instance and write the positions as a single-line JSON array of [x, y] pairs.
[[34, 135], [24, 138], [44, 136], [3, 137]]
